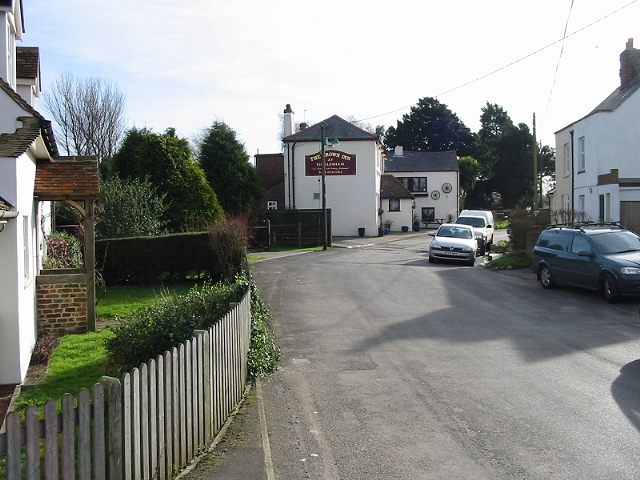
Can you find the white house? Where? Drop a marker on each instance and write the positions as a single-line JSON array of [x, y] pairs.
[[598, 156], [434, 179], [32, 175], [353, 167]]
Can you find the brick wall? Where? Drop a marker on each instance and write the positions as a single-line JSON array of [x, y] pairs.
[[62, 307]]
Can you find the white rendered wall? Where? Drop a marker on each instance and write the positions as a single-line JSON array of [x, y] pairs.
[[18, 328], [351, 198]]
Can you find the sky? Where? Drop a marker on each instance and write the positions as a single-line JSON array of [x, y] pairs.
[[186, 64]]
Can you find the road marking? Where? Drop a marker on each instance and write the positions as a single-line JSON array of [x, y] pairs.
[[266, 447]]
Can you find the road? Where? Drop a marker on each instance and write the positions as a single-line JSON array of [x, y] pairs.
[[394, 368]]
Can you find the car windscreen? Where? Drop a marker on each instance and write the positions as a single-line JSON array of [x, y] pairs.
[[616, 242], [473, 221]]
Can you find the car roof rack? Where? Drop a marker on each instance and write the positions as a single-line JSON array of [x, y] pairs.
[[580, 225]]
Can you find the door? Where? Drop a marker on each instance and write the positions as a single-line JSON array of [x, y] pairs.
[[582, 269]]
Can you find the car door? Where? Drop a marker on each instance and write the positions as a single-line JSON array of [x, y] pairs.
[[582, 267], [558, 242]]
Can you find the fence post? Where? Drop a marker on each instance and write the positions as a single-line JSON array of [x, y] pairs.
[[114, 425]]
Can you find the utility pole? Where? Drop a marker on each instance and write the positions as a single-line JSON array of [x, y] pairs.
[[535, 165], [324, 186]]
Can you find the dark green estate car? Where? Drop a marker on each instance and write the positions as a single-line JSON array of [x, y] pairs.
[[601, 257]]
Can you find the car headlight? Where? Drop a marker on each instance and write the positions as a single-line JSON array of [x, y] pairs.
[[435, 245], [467, 249], [630, 271]]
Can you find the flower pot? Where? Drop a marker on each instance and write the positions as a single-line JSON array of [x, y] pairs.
[[405, 228], [361, 231], [416, 227]]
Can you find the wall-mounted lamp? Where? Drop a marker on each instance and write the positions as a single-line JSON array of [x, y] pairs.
[[330, 142]]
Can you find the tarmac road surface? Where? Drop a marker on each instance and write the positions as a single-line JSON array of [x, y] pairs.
[[394, 368]]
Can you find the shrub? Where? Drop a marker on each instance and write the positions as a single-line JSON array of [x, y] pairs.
[[229, 240], [150, 331], [264, 354], [521, 220], [63, 251]]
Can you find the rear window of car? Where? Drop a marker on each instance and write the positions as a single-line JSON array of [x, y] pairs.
[[473, 221], [555, 240]]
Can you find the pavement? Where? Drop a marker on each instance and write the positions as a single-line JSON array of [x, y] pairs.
[[241, 449]]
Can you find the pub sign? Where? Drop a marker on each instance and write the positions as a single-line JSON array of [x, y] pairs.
[[336, 163]]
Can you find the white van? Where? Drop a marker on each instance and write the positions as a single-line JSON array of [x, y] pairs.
[[484, 229]]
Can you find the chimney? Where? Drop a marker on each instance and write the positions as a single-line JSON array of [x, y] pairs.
[[398, 151], [629, 64], [289, 122]]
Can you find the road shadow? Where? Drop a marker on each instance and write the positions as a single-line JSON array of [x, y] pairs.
[[625, 390]]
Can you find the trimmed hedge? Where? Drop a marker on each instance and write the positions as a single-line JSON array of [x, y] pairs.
[[152, 259]]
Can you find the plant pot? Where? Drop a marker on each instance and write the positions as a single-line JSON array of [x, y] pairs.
[[361, 231], [405, 228], [416, 227]]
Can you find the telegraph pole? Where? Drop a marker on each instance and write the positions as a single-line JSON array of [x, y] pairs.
[[535, 165]]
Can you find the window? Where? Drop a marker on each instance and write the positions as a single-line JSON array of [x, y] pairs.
[[565, 203], [415, 184], [580, 244], [567, 159], [272, 205], [394, 204], [581, 155], [581, 203], [26, 244], [428, 214]]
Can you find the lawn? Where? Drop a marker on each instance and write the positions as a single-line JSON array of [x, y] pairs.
[[80, 360], [119, 300]]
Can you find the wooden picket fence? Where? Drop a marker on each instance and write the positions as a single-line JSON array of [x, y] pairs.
[[149, 425]]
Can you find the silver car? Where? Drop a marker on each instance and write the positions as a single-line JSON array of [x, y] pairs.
[[453, 241]]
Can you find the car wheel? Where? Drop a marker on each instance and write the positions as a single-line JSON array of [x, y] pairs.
[[546, 280], [481, 249], [471, 262], [431, 259], [610, 288]]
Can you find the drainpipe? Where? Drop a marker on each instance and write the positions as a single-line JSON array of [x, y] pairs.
[[293, 173], [572, 176], [288, 176]]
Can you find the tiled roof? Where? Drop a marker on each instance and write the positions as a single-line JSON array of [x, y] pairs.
[[335, 127], [391, 187], [27, 62], [422, 162], [15, 144], [67, 178], [45, 125], [617, 97], [4, 205]]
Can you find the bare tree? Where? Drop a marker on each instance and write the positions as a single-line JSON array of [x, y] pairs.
[[88, 115]]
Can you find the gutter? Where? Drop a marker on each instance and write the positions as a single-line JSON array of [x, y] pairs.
[[8, 214]]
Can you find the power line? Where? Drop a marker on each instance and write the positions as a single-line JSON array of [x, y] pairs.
[[512, 63], [555, 75]]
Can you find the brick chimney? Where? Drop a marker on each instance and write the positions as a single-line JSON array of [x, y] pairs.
[[629, 64]]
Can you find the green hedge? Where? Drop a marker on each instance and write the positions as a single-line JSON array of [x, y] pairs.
[[151, 259]]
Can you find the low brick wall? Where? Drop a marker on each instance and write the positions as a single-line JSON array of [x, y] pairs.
[[62, 307]]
